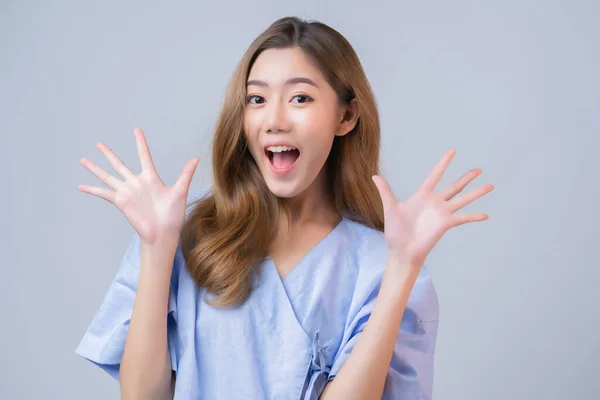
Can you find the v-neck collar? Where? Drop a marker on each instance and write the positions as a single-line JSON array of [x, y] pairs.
[[304, 258]]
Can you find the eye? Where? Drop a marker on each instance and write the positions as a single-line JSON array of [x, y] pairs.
[[249, 98], [307, 98]]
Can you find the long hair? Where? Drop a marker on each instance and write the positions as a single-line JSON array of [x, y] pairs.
[[229, 231]]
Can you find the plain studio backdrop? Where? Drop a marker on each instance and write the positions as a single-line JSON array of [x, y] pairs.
[[513, 86]]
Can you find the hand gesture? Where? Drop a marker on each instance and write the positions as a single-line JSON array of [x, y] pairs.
[[152, 208], [413, 228]]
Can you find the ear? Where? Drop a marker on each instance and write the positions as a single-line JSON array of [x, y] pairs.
[[349, 118]]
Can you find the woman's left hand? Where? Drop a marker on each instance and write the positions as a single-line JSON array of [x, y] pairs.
[[413, 228]]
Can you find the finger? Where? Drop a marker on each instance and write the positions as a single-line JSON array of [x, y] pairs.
[[460, 202], [460, 184], [105, 177], [185, 179], [385, 192], [115, 161], [143, 151], [105, 194], [460, 219], [438, 171]]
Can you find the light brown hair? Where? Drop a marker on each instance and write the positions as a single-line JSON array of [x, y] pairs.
[[227, 233]]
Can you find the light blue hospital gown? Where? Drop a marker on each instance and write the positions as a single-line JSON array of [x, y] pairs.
[[289, 338]]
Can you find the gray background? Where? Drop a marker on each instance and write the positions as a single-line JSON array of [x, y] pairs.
[[509, 84]]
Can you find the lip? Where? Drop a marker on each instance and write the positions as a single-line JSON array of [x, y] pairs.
[[280, 171]]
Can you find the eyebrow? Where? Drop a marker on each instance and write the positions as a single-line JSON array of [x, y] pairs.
[[290, 81]]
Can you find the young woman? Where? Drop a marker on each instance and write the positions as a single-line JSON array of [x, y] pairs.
[[297, 275]]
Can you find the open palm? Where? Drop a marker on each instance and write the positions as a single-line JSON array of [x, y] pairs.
[[413, 228], [151, 207]]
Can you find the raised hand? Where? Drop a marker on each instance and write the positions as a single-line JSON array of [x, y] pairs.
[[413, 228], [152, 208]]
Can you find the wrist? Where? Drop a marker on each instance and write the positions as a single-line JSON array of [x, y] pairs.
[[161, 250], [400, 276], [161, 238]]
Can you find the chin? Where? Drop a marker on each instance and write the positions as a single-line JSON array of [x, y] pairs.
[[285, 189], [282, 191]]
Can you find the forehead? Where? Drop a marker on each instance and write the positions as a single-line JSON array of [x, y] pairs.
[[277, 65]]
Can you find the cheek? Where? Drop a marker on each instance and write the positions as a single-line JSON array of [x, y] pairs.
[[252, 127], [250, 133], [249, 128], [318, 129]]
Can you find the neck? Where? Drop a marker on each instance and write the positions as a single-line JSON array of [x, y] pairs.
[[314, 205]]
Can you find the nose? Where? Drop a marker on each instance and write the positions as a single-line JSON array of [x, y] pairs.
[[276, 117]]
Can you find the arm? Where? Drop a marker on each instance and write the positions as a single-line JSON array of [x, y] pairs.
[[146, 364], [364, 373]]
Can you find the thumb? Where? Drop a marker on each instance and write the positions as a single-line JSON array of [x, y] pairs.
[[183, 183], [385, 192]]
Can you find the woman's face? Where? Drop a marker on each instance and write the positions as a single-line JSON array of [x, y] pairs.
[[289, 103]]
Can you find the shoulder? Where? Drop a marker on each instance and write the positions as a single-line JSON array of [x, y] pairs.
[[369, 247], [366, 247], [368, 251]]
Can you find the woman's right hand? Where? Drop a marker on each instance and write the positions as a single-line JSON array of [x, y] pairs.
[[152, 208]]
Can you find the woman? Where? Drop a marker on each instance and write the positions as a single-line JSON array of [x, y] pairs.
[[298, 275]]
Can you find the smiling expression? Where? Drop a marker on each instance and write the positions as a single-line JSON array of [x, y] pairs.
[[289, 102]]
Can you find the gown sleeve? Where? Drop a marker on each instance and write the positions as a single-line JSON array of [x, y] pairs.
[[104, 340], [410, 375]]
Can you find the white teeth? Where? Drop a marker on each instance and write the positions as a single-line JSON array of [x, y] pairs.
[[279, 149]]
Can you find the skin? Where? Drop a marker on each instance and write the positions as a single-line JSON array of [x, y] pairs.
[[156, 211], [412, 228], [307, 116]]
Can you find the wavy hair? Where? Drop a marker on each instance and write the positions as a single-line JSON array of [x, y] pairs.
[[227, 233]]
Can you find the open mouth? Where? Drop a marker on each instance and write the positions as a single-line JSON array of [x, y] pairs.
[[282, 160]]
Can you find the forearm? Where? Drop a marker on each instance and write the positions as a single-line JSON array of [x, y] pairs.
[[364, 373], [145, 371]]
